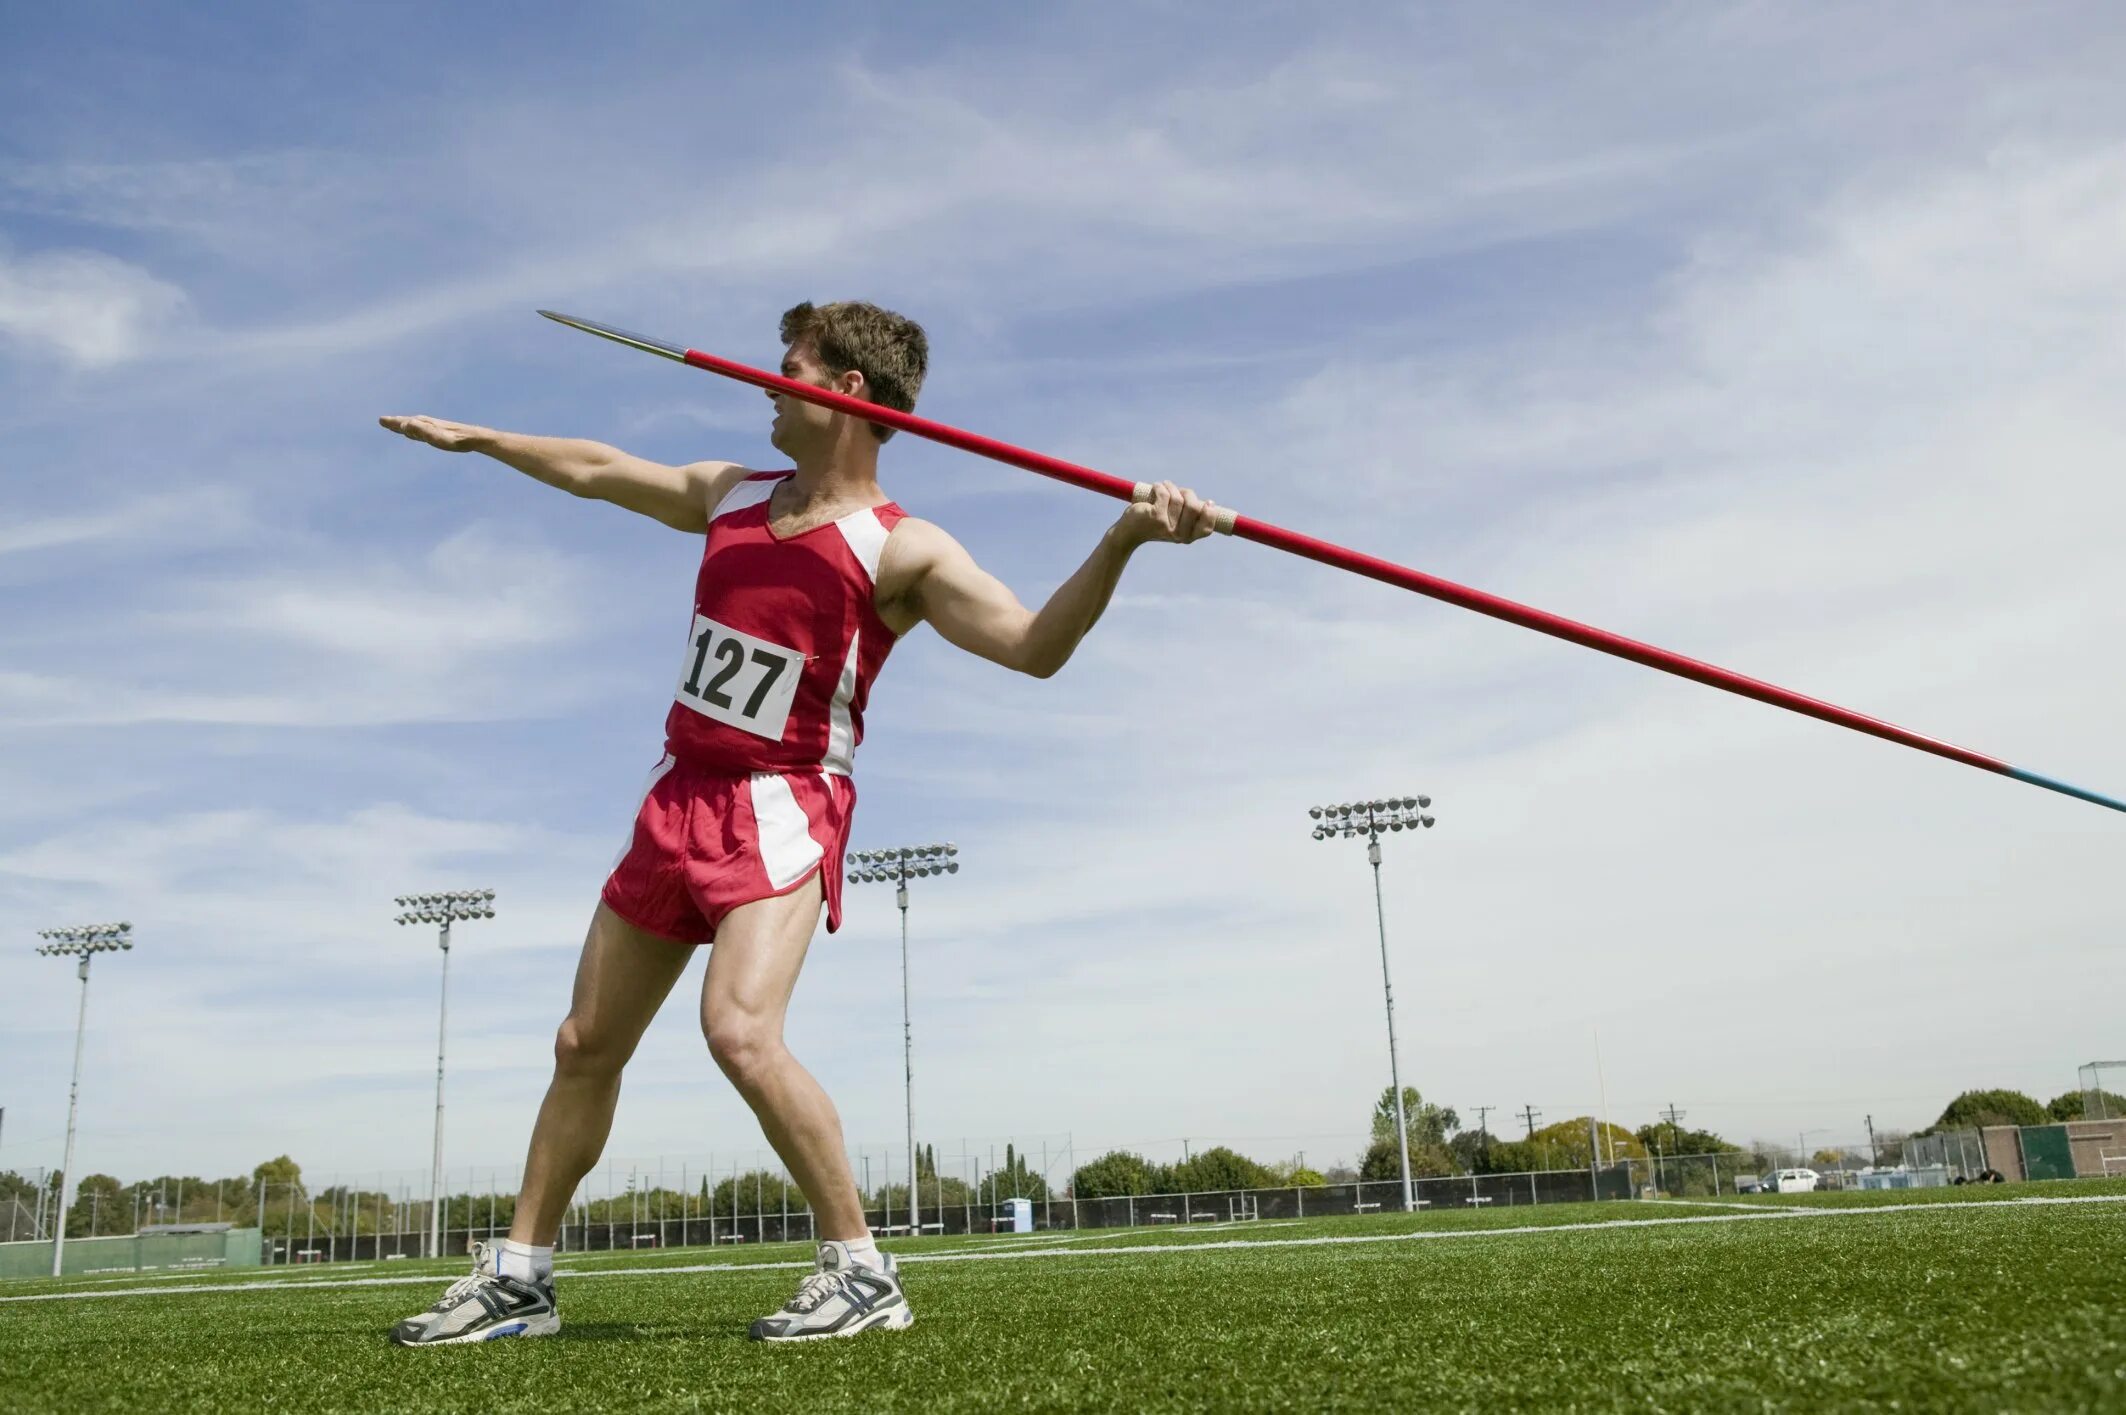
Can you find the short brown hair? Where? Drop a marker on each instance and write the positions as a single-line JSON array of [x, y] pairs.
[[889, 350]]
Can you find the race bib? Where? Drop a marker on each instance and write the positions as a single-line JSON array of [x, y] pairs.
[[739, 680]]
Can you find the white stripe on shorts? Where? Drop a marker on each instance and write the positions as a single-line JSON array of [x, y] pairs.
[[657, 774], [787, 849]]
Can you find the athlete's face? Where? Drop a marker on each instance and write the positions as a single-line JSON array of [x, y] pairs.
[[800, 425]]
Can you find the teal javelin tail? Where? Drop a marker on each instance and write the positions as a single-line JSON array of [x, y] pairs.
[[2080, 793]]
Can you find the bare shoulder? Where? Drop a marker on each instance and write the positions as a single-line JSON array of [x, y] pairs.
[[914, 552], [712, 482], [912, 547]]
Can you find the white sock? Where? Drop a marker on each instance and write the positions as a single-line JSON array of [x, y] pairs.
[[864, 1253], [523, 1262]]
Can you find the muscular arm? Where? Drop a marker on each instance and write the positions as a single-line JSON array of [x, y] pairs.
[[681, 497], [973, 610]]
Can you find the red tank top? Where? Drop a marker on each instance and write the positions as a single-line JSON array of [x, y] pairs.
[[785, 640]]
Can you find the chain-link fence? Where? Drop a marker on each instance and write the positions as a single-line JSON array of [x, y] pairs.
[[727, 1204], [26, 1214], [1945, 1157], [655, 1225]]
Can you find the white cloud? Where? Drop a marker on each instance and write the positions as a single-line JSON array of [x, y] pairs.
[[447, 634], [206, 515], [221, 202], [472, 595], [90, 309]]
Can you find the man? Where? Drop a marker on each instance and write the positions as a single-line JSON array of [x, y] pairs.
[[807, 580]]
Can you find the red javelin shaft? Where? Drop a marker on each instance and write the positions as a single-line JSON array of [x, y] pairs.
[[1263, 533]]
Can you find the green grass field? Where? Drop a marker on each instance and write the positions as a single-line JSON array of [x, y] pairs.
[[1978, 1299]]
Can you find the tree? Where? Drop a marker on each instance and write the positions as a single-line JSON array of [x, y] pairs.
[[1565, 1145], [1211, 1171], [277, 1173], [1112, 1175], [17, 1187], [1427, 1124], [1677, 1140], [1427, 1160], [760, 1191], [100, 1206], [1014, 1179], [2069, 1105], [1974, 1109], [1477, 1153], [1291, 1174]]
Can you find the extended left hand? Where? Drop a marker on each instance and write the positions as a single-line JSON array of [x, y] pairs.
[[1174, 513]]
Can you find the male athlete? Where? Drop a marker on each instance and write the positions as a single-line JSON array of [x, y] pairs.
[[808, 579]]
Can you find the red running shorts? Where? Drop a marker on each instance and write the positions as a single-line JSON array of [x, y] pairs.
[[705, 843]]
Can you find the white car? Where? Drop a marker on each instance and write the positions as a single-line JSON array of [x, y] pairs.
[[1795, 1181]]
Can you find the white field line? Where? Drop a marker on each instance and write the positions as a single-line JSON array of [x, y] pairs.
[[1730, 1204], [1131, 1249], [1103, 1236]]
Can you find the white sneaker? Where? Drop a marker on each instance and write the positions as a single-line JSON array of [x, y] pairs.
[[483, 1307], [840, 1298]]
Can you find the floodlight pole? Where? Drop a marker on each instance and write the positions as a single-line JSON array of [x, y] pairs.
[[82, 942], [1369, 818], [435, 1172], [441, 909], [899, 865]]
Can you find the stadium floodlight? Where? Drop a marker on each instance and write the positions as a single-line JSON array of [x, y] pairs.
[[1371, 819], [897, 866], [83, 941], [442, 909]]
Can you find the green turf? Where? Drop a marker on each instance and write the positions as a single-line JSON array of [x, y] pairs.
[[1916, 1307]]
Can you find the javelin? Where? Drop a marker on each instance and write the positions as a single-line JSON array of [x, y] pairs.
[[1263, 533]]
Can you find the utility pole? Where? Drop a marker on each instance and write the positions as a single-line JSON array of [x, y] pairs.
[[1483, 1134], [1874, 1158], [1674, 1118], [1528, 1115]]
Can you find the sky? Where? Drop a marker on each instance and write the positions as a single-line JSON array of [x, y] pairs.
[[1787, 337]]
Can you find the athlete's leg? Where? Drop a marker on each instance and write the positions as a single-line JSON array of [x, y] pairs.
[[752, 970], [623, 977]]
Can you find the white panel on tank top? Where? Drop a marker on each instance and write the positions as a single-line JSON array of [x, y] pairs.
[[841, 730], [745, 494], [866, 535]]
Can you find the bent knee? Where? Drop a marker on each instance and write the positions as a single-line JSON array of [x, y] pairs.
[[743, 1046], [582, 1050]]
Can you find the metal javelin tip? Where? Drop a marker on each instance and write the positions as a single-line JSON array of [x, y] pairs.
[[621, 336]]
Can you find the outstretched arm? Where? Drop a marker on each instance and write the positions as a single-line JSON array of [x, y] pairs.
[[681, 497], [975, 611]]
